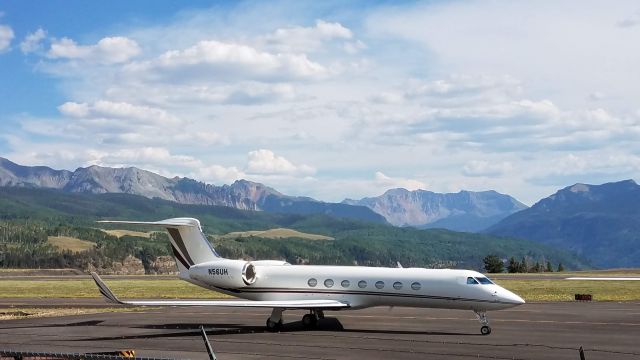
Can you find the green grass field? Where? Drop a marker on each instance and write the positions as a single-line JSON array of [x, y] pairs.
[[565, 274], [69, 243], [564, 290], [530, 290], [141, 289], [24, 313]]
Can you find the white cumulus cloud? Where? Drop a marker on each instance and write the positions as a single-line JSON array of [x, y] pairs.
[[213, 60], [33, 41], [144, 157], [109, 50], [266, 162], [309, 39], [6, 35], [217, 174], [118, 110]]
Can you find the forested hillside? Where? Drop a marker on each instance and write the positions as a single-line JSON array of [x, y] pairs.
[[29, 216]]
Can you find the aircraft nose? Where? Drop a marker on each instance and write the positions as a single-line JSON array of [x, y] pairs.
[[508, 296]]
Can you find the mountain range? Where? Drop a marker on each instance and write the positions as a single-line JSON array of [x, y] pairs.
[[599, 222], [463, 211], [242, 194]]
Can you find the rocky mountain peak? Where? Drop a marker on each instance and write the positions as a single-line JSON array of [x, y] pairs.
[[12, 174], [464, 210]]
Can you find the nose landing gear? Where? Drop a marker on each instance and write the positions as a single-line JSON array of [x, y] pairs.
[[482, 317]]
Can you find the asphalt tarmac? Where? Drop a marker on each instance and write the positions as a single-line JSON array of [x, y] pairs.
[[532, 331]]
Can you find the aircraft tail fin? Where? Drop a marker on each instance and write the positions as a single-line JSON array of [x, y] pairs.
[[189, 244]]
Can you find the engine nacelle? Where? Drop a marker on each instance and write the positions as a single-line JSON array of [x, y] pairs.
[[225, 273]]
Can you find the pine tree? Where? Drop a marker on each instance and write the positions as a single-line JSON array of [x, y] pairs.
[[493, 264], [536, 267], [514, 266], [524, 267], [560, 267], [549, 268]]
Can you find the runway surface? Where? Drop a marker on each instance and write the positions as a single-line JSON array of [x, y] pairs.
[[532, 331]]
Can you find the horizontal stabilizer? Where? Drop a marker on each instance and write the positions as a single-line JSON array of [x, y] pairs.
[[287, 304], [104, 289], [162, 223]]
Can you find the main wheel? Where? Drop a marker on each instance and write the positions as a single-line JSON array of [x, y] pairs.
[[273, 326], [309, 321], [485, 330]]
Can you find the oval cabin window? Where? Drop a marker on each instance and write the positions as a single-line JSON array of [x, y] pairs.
[[362, 284], [345, 283], [416, 286], [379, 284], [397, 285], [328, 283], [312, 282]]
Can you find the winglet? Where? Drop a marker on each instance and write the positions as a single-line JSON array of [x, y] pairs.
[[104, 289]]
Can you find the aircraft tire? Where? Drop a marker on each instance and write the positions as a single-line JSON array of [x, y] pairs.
[[273, 326], [309, 321], [485, 330]]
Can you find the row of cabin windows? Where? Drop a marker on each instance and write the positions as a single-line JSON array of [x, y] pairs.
[[362, 284]]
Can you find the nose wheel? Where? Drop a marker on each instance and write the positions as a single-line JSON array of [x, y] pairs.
[[482, 317]]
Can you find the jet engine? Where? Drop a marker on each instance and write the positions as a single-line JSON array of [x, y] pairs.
[[225, 273]]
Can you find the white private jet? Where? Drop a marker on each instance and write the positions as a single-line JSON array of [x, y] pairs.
[[282, 286]]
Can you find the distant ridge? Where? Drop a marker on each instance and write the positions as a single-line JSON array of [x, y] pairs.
[[599, 222], [242, 194], [462, 211]]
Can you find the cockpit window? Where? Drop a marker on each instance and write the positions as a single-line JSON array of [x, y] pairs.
[[472, 281], [484, 281]]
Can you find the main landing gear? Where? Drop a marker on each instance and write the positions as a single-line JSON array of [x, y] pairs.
[[274, 322], [309, 321], [482, 317]]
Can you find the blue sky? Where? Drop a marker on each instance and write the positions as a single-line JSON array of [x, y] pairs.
[[328, 99]]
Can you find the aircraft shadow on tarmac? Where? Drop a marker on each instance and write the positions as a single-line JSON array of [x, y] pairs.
[[81, 323], [219, 329]]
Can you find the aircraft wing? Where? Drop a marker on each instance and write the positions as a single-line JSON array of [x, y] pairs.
[[288, 304]]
